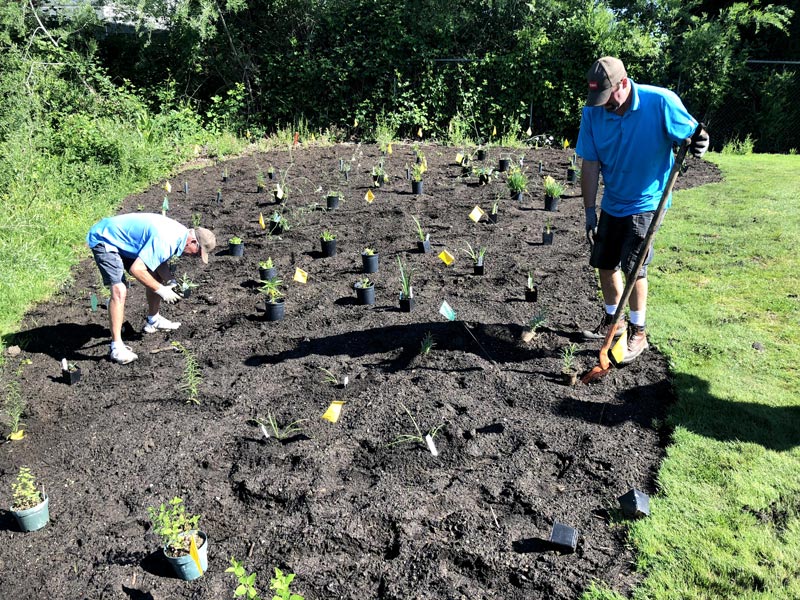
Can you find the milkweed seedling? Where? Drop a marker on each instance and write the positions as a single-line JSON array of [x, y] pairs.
[[13, 407], [278, 432], [419, 437], [427, 344], [191, 378]]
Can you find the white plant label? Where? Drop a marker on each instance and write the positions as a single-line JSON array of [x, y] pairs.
[[431, 445], [264, 431]]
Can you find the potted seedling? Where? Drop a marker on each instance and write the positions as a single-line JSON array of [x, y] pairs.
[[369, 260], [568, 371], [186, 285], [219, 196], [552, 193], [225, 175], [70, 372], [572, 170], [531, 289], [477, 258], [547, 233], [235, 246], [480, 153], [332, 199], [365, 290], [267, 269], [466, 166], [274, 305], [261, 183], [378, 174], [271, 172], [493, 212], [30, 506], [180, 538], [344, 167], [328, 241], [289, 433], [424, 242], [484, 174], [517, 183], [406, 291], [534, 325], [417, 169], [503, 164], [278, 224]]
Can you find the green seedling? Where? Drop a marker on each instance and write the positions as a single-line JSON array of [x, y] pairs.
[[25, 495], [13, 408], [266, 264], [278, 432], [197, 219], [418, 437], [235, 240], [421, 234], [327, 236], [531, 285], [568, 359], [191, 378], [475, 255], [552, 188], [517, 181], [172, 524], [427, 344], [329, 376], [368, 252], [405, 280], [271, 288], [186, 284]]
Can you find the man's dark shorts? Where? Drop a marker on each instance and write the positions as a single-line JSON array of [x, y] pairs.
[[618, 242], [112, 265]]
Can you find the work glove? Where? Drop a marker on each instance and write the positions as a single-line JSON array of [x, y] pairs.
[[591, 224], [167, 294], [699, 142]]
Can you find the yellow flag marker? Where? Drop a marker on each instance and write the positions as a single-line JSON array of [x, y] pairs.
[[419, 132], [389, 149], [193, 553], [476, 214], [334, 411], [300, 276], [261, 221], [459, 158], [446, 257], [17, 435], [369, 196], [529, 133], [494, 130], [355, 123], [168, 187], [566, 144]]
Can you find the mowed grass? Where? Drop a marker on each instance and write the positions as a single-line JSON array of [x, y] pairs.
[[725, 309]]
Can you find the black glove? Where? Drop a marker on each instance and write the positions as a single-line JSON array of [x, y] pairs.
[[699, 143]]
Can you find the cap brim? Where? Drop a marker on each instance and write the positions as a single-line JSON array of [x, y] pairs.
[[598, 97], [203, 255]]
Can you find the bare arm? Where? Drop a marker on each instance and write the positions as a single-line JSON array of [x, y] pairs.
[[142, 275], [590, 180]]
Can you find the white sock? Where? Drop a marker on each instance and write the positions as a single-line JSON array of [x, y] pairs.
[[611, 309], [637, 318], [114, 345], [152, 319]]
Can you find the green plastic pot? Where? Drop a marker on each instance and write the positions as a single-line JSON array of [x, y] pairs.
[[184, 566], [34, 518]]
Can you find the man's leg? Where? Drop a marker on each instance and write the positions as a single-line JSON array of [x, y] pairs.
[[116, 310]]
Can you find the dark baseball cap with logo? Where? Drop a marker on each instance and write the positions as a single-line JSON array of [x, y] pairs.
[[603, 76]]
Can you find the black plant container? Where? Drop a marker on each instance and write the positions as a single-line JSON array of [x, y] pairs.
[[236, 249], [259, 189], [547, 238], [635, 504], [572, 175], [551, 203], [267, 274], [503, 164], [480, 154], [517, 196], [378, 180], [531, 295], [424, 247], [406, 304], [328, 248], [416, 187], [332, 202], [369, 263], [492, 217], [477, 268], [71, 377], [275, 227], [483, 178], [365, 295], [564, 538], [186, 293], [276, 310]]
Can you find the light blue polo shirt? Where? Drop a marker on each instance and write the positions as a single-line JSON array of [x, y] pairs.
[[152, 237], [635, 150]]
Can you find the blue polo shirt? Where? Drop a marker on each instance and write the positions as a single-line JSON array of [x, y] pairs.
[[152, 237], [635, 149]]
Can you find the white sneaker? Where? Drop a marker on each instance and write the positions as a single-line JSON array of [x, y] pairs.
[[161, 324], [123, 355]]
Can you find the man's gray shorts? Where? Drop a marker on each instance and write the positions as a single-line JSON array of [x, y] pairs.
[[618, 242], [112, 265]]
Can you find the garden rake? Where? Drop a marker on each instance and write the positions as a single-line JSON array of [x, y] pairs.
[[615, 355]]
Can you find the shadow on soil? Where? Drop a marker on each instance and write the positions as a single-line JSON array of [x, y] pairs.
[[65, 340]]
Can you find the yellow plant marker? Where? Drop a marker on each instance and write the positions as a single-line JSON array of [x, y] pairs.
[[261, 221], [617, 352], [389, 149], [566, 143], [529, 133], [334, 411], [494, 130], [419, 132], [193, 553], [300, 276], [16, 436], [168, 187], [459, 158], [355, 123], [446, 257], [369, 196], [476, 214]]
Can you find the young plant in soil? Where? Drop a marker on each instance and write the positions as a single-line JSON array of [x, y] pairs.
[[484, 174], [13, 409], [424, 243], [406, 291], [280, 584], [24, 493], [327, 236], [261, 182], [172, 525], [378, 174], [271, 289], [517, 183], [547, 232], [278, 224], [534, 325], [330, 377], [568, 371], [531, 290], [476, 255], [552, 192], [186, 285], [418, 437], [278, 432], [427, 344], [365, 291], [191, 378]]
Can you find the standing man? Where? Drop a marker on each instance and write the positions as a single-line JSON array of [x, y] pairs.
[[627, 132], [142, 244]]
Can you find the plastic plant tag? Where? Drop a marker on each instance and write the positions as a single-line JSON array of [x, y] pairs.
[[369, 196], [93, 302], [261, 221], [494, 130], [419, 132], [476, 214], [168, 187], [529, 133], [334, 411], [355, 123], [431, 445], [64, 364], [388, 149], [193, 553], [165, 204], [17, 435], [345, 381], [279, 191], [300, 276], [566, 144], [264, 431], [447, 311], [186, 187], [446, 257], [459, 158]]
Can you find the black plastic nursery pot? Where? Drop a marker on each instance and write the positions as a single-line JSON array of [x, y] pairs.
[[424, 247], [517, 196], [365, 295], [259, 189], [541, 168], [531, 295], [275, 310], [563, 538], [480, 154], [572, 175], [635, 504], [492, 217], [406, 304], [477, 268], [186, 293], [332, 202], [416, 187], [483, 179], [570, 378], [275, 227], [236, 249], [547, 238], [551, 203], [503, 164], [219, 197], [328, 247], [267, 274], [71, 376], [378, 180], [369, 263]]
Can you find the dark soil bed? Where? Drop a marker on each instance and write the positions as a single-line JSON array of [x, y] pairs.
[[351, 515]]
